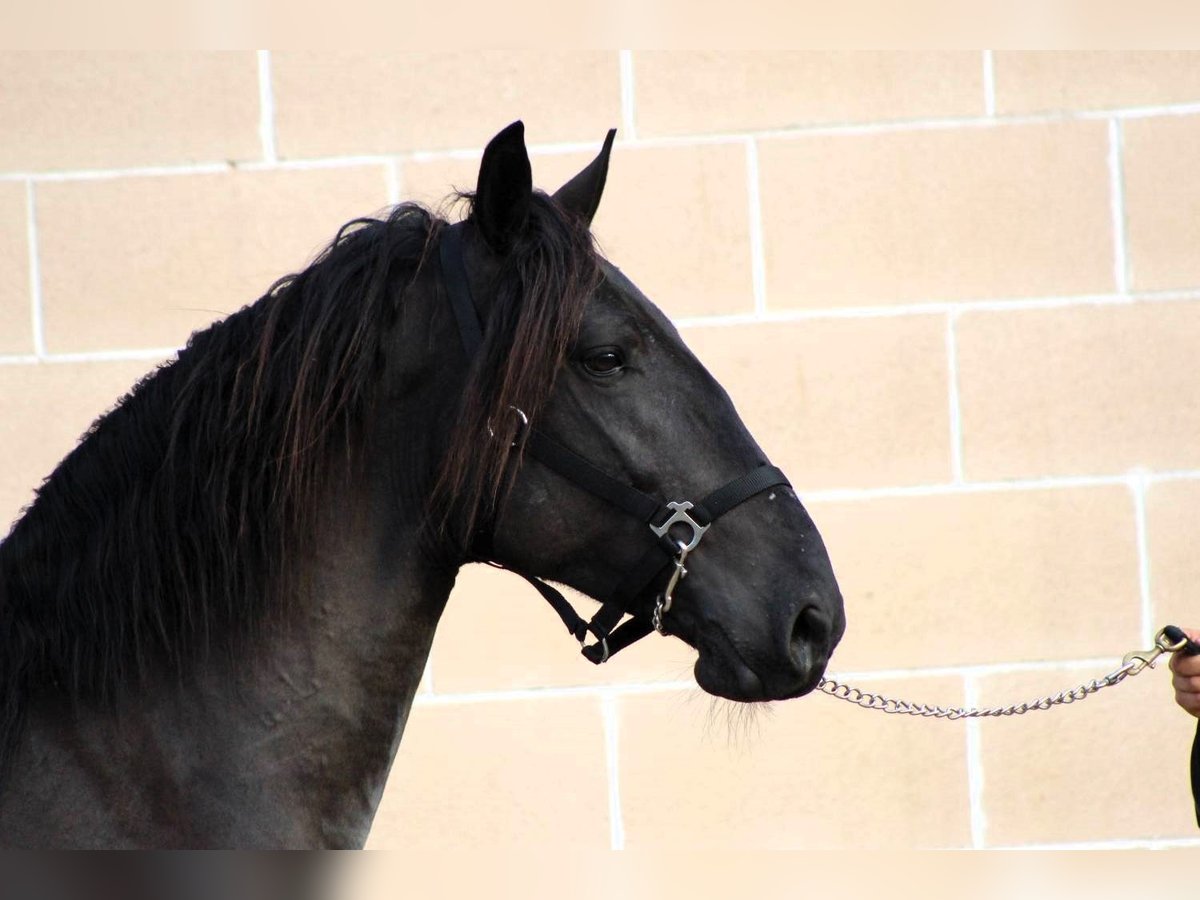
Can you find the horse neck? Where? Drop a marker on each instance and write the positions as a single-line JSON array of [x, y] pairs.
[[290, 743], [330, 697]]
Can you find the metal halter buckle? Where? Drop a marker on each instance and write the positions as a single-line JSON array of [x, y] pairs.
[[520, 430], [680, 515]]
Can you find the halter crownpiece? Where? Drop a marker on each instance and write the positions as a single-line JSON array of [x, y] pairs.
[[662, 518]]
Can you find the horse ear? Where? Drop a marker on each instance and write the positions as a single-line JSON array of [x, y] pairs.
[[504, 190], [581, 195]]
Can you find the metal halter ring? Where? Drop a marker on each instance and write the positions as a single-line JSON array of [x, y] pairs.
[[603, 646], [524, 425], [680, 515]]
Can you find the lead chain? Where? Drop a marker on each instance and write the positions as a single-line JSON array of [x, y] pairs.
[[1132, 664]]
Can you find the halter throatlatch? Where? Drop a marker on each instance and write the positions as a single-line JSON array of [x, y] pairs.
[[676, 527]]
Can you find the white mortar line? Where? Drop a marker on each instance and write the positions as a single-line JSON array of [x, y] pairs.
[[427, 675], [801, 315], [938, 307], [392, 178], [843, 128], [555, 693], [266, 107], [27, 359], [1097, 665], [1143, 112], [148, 354], [975, 779], [36, 313], [126, 172], [1172, 475], [549, 148], [989, 83], [612, 734], [1137, 487], [1116, 179], [981, 670], [982, 487], [758, 256], [825, 495], [333, 162], [851, 127], [628, 100], [955, 412]]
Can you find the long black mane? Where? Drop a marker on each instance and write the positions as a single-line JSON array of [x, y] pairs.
[[175, 524]]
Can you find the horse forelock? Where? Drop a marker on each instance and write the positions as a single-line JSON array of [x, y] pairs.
[[533, 316]]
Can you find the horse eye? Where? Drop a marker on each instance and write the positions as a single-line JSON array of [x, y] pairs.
[[604, 362]]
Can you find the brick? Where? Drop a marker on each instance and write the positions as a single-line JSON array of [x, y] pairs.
[[486, 774], [71, 110], [337, 103], [1162, 202], [16, 328], [1084, 773], [841, 402], [498, 634], [1173, 533], [936, 214], [988, 577], [1079, 390], [675, 219], [697, 92], [162, 256], [32, 442], [812, 773], [1040, 81]]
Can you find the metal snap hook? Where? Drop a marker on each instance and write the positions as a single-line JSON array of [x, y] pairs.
[[663, 604], [1137, 660]]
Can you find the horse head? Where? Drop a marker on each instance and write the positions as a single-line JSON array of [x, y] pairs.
[[756, 597]]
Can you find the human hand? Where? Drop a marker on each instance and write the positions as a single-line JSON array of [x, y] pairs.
[[1186, 679]]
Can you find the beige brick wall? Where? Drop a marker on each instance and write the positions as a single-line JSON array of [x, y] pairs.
[[972, 280]]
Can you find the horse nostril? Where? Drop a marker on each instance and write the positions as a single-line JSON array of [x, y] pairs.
[[811, 632]]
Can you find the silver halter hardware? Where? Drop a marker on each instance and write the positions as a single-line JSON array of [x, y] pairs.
[[603, 645], [680, 516], [663, 603], [524, 425]]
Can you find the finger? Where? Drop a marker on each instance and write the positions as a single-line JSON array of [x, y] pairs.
[[1188, 666], [1185, 684], [1185, 665]]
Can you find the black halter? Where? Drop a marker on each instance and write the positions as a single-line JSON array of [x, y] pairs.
[[662, 518]]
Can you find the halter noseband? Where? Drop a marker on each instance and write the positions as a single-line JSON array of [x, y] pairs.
[[663, 520]]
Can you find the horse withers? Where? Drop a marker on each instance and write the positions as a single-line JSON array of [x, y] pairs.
[[216, 612]]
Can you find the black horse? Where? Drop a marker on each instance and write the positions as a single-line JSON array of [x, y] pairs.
[[215, 614]]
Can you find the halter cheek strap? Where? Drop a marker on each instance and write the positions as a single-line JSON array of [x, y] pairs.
[[665, 520]]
